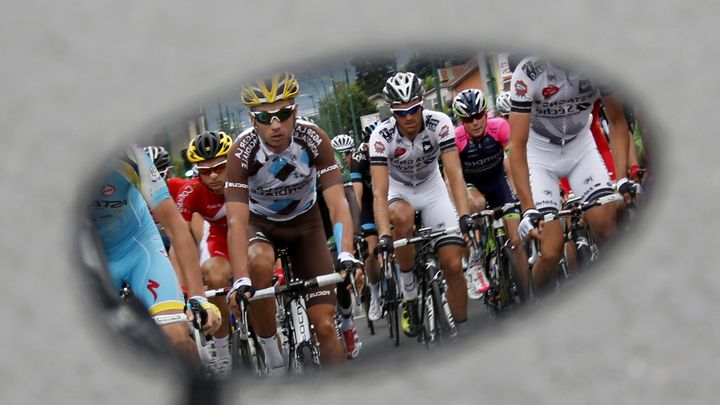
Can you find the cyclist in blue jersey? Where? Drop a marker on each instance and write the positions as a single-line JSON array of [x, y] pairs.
[[120, 211]]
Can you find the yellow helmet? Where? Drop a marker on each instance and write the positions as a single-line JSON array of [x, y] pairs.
[[279, 87], [208, 145]]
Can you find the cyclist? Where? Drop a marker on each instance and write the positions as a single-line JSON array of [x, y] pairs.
[[481, 143], [343, 146], [502, 105], [121, 213], [549, 139], [271, 192], [362, 183], [404, 152], [205, 196]]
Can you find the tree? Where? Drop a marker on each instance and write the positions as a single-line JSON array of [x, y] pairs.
[[372, 72], [422, 64], [362, 105]]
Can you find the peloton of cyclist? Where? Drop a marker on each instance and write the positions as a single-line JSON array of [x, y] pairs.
[[404, 153], [482, 143], [271, 203]]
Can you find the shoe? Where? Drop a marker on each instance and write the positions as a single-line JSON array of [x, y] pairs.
[[223, 367], [375, 310], [482, 283], [470, 280], [409, 322], [352, 343], [276, 372]]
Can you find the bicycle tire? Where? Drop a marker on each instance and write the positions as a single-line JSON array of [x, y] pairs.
[[307, 360], [392, 311], [366, 308], [443, 318]]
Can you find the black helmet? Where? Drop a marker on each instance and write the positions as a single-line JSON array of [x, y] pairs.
[[208, 145], [402, 88]]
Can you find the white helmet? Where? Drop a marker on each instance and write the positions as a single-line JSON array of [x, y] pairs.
[[403, 88], [502, 103], [343, 143]]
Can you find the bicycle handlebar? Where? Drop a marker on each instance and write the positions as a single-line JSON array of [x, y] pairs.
[[300, 285], [425, 236]]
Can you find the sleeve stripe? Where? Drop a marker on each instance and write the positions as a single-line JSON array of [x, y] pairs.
[[520, 106], [448, 144]]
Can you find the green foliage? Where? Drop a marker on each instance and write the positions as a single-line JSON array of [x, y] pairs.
[[328, 116], [372, 72], [422, 64]]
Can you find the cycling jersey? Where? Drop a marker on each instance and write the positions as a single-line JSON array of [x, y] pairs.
[[360, 173], [280, 186], [412, 162], [414, 174], [560, 100], [195, 196], [482, 158], [130, 239], [344, 171]]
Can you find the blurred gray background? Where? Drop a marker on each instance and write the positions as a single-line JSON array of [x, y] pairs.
[[81, 77]]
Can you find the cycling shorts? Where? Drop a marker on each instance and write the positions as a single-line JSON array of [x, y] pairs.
[[578, 160], [304, 238], [217, 244], [497, 193], [432, 200], [142, 262]]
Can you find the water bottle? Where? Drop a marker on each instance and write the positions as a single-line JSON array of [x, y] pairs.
[[475, 268]]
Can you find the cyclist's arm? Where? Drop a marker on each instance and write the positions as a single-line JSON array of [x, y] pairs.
[[339, 211], [184, 244], [380, 198], [238, 215], [455, 180], [619, 134], [197, 227], [508, 174], [519, 132]]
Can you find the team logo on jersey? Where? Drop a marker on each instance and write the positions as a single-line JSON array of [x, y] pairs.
[[427, 146], [550, 91], [152, 286], [584, 86], [431, 123], [379, 147], [444, 131], [400, 151], [520, 88], [533, 69], [108, 189]]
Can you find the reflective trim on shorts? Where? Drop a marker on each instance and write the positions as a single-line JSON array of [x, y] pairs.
[[167, 306]]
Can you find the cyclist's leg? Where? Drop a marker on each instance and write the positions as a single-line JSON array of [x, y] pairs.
[[590, 179], [310, 258], [402, 217], [476, 199], [154, 283], [438, 212], [217, 273], [261, 262]]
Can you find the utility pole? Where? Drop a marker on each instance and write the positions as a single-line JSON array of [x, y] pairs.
[[438, 94], [337, 102], [352, 106]]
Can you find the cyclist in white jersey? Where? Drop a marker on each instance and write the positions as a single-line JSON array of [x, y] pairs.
[[549, 139], [404, 153]]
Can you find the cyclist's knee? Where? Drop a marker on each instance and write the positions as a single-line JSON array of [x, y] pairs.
[[218, 272], [402, 216], [325, 328], [260, 264]]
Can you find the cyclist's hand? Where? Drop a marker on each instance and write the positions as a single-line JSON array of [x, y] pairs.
[[529, 224], [385, 245], [213, 318], [242, 289], [627, 189], [467, 224]]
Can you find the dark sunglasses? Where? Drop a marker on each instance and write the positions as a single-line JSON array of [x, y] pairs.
[[266, 117], [403, 112], [207, 170], [472, 118], [348, 152]]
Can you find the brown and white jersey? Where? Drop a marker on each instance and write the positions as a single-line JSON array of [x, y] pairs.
[[280, 186]]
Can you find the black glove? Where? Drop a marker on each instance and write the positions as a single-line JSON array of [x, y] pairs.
[[385, 245], [241, 286], [467, 224]]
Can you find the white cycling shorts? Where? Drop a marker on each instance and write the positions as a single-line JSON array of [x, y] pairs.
[[432, 199], [578, 160], [204, 251]]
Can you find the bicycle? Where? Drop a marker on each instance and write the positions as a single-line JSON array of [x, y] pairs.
[[575, 211], [497, 258], [300, 342], [389, 296], [437, 320]]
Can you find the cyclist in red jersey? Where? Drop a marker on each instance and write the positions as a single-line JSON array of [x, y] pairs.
[[205, 195]]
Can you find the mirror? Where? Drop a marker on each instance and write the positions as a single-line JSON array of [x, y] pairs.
[[414, 175]]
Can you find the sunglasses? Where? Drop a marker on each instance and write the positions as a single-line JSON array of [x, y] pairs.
[[266, 117], [348, 152], [207, 170], [403, 112], [470, 119]]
